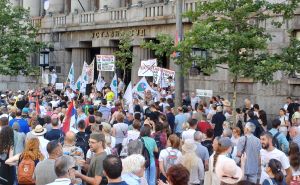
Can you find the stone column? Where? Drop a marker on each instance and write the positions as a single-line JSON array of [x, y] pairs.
[[33, 6], [108, 75], [79, 55], [139, 54]]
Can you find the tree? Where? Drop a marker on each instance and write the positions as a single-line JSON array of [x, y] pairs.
[[17, 40], [232, 32], [164, 46], [124, 53]]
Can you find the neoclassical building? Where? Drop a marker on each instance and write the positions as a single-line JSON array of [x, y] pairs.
[[80, 29]]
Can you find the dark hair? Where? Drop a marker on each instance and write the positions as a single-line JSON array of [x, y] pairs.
[[282, 109], [47, 119], [99, 114], [54, 122], [262, 115], [210, 133], [178, 174], [192, 122], [6, 138], [158, 126], [137, 116], [91, 110], [276, 123], [245, 182], [294, 156], [51, 146], [92, 119], [19, 113], [112, 165], [256, 106], [3, 121], [251, 114], [145, 131], [81, 124], [276, 167], [238, 110], [136, 124], [267, 134]]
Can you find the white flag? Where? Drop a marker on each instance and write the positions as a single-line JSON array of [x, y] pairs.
[[114, 86], [100, 82], [82, 79], [71, 78], [128, 95], [90, 72], [141, 87]]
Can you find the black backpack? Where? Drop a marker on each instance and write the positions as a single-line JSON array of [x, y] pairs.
[[275, 141], [82, 142], [146, 154]]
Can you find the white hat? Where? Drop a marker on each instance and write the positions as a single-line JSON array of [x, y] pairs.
[[228, 171], [39, 130], [3, 95], [20, 96], [189, 146]]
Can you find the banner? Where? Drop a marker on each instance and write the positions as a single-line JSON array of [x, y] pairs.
[[160, 76], [204, 93], [141, 87], [100, 82], [90, 72], [114, 86], [59, 86], [105, 62], [128, 95], [71, 78], [146, 68]]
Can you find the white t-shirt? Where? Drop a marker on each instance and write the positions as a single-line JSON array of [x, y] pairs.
[[274, 154], [165, 153], [188, 134]]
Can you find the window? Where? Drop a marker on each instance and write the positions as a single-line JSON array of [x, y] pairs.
[[195, 69]]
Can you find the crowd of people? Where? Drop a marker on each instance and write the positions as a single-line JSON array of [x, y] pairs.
[[202, 142]]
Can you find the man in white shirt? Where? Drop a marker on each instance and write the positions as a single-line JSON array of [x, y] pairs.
[[189, 134], [268, 152], [194, 100]]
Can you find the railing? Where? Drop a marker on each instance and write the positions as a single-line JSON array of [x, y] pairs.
[[36, 21], [87, 17], [118, 14], [154, 10], [60, 20], [189, 5]]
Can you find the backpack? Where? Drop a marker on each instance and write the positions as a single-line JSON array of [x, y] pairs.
[[146, 154], [25, 171], [82, 143], [275, 141], [171, 159], [157, 140]]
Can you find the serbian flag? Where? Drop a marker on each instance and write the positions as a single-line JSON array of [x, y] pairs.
[[37, 106], [70, 113]]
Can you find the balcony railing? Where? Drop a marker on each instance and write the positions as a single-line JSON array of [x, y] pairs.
[[60, 20], [36, 21], [155, 10], [118, 14], [87, 17]]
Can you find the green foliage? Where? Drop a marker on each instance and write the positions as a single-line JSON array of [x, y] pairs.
[[17, 40], [233, 33], [163, 47], [124, 53]]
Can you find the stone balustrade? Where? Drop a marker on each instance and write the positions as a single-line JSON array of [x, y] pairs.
[[59, 20], [118, 14], [154, 10], [36, 21], [87, 17]]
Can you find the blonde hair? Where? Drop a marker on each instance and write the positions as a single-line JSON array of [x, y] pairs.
[[133, 163], [189, 160], [32, 150]]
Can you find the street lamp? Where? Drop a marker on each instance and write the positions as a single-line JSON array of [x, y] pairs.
[[44, 58]]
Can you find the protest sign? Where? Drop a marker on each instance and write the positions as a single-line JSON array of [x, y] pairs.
[[105, 62], [161, 75], [204, 93], [147, 66], [59, 86]]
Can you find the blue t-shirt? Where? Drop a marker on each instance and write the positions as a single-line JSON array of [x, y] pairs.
[[54, 134], [24, 127], [274, 182]]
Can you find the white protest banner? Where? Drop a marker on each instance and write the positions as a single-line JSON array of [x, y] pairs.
[[105, 62], [161, 75], [59, 86], [146, 68], [141, 87], [204, 93]]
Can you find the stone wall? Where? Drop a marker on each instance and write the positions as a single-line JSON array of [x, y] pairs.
[[19, 82]]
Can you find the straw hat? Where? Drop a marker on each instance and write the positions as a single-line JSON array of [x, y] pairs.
[[228, 171], [189, 146], [39, 130]]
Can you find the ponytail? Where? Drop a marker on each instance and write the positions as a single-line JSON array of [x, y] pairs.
[[276, 167]]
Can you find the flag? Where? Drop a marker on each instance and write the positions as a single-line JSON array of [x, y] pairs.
[[90, 72], [82, 79], [67, 121], [71, 78], [100, 82], [114, 86], [128, 95], [141, 87], [37, 106]]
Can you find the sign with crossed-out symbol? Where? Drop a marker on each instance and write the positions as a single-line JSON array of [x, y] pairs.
[[147, 67]]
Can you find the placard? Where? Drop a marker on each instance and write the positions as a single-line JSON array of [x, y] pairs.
[[161, 75], [59, 86], [146, 68], [204, 93], [105, 62]]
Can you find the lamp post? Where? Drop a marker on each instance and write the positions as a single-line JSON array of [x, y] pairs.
[[179, 79], [44, 58]]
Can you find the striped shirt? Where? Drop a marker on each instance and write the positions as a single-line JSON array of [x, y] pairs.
[[252, 151]]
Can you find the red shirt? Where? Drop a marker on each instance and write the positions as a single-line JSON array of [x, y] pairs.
[[203, 126]]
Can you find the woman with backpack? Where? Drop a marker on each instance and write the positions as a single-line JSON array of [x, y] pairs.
[[7, 173], [150, 148], [169, 156], [275, 173], [26, 161]]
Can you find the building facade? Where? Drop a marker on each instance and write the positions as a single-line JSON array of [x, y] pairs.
[[80, 29]]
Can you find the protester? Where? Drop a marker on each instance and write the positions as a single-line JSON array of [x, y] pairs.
[[274, 172], [201, 150], [294, 158], [23, 123], [217, 121], [282, 141], [112, 166], [39, 132], [44, 171], [208, 140], [133, 169], [295, 135], [189, 134], [19, 139], [55, 133], [177, 174]]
